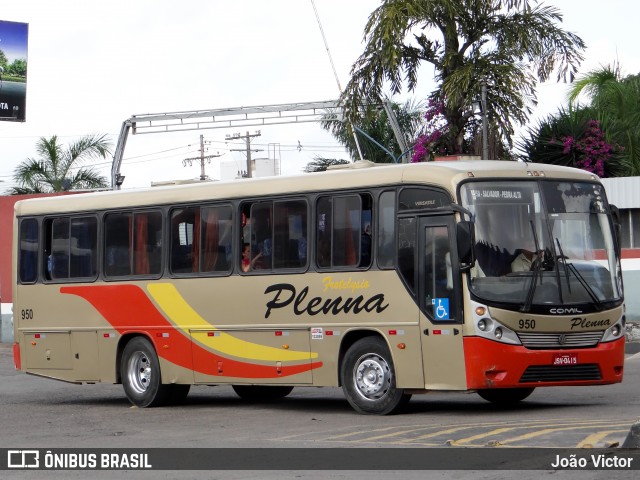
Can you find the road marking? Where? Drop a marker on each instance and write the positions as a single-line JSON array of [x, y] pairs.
[[594, 438], [496, 432]]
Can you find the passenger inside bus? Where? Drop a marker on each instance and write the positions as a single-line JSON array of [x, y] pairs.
[[248, 263]]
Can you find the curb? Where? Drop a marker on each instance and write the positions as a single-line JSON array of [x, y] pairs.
[[633, 438]]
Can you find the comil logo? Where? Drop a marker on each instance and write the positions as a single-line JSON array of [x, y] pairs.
[[23, 459]]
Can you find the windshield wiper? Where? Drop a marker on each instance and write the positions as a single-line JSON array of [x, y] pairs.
[[566, 270], [536, 266], [570, 266]]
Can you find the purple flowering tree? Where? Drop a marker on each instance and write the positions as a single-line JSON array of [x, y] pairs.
[[430, 141], [572, 138]]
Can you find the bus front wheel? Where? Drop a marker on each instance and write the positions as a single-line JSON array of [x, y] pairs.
[[141, 379], [368, 378], [505, 396]]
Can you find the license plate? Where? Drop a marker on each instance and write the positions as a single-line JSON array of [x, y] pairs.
[[565, 359]]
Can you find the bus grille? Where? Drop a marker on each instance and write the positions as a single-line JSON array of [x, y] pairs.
[[560, 340], [565, 373]]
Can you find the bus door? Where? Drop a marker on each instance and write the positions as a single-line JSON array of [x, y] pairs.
[[439, 296]]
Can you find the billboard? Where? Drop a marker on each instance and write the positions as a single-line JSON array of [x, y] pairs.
[[13, 70]]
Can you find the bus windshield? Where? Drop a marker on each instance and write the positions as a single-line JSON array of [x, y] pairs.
[[541, 243]]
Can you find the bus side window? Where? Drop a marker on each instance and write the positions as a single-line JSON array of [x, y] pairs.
[[386, 229], [407, 251], [290, 232], [60, 248], [341, 237], [216, 239], [29, 246], [117, 244], [83, 247]]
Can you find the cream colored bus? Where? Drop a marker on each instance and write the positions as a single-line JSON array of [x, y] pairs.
[[493, 277]]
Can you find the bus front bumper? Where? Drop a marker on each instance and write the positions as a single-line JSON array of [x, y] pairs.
[[491, 364]]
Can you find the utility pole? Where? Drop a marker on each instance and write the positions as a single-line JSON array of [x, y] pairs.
[[485, 133], [202, 159], [247, 138]]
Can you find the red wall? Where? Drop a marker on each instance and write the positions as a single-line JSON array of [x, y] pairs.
[[6, 236]]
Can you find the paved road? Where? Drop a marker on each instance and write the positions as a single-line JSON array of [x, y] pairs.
[[42, 413]]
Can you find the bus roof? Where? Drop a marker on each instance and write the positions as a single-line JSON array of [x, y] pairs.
[[445, 174]]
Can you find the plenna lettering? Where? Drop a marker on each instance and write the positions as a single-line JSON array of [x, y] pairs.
[[285, 294], [584, 323]]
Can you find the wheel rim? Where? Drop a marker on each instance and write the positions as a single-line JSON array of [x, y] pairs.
[[372, 376], [139, 372]]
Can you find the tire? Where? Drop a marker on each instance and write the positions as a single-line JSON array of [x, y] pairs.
[[141, 377], [505, 396], [256, 393], [178, 393], [368, 378]]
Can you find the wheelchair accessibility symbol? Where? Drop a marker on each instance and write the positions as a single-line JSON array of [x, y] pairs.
[[441, 308]]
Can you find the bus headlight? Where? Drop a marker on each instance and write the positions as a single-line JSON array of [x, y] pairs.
[[483, 324], [498, 333], [615, 331]]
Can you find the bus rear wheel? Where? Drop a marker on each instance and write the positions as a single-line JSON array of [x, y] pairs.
[[262, 392], [141, 378], [369, 380], [505, 396]]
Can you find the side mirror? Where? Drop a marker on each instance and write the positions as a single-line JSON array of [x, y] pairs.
[[465, 235]]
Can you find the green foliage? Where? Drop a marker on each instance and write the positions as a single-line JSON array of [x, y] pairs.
[[378, 142], [572, 138], [60, 169], [468, 42], [616, 103]]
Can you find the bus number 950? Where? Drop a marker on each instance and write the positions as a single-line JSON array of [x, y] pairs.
[[527, 323], [26, 314]]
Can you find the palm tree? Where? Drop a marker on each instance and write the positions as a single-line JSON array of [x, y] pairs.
[[504, 44], [59, 169], [616, 103]]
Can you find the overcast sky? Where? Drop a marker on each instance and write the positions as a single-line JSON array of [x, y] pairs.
[[92, 65]]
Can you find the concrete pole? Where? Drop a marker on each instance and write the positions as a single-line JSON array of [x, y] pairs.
[[485, 131]]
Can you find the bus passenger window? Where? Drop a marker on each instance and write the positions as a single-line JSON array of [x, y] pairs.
[[386, 226], [117, 260], [83, 244], [216, 239], [29, 246], [290, 232], [60, 248], [341, 237], [147, 243]]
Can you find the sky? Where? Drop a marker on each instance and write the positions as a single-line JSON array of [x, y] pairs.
[[92, 65]]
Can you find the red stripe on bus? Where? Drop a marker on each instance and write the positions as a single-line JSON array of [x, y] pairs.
[[128, 309], [17, 361]]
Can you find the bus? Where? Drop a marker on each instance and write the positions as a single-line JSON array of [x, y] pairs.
[[494, 277]]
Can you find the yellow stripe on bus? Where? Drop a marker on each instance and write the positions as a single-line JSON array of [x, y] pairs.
[[185, 317]]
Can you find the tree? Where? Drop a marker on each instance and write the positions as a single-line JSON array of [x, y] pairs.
[[615, 101], [574, 138], [505, 44], [374, 130], [54, 170], [320, 164], [19, 67]]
